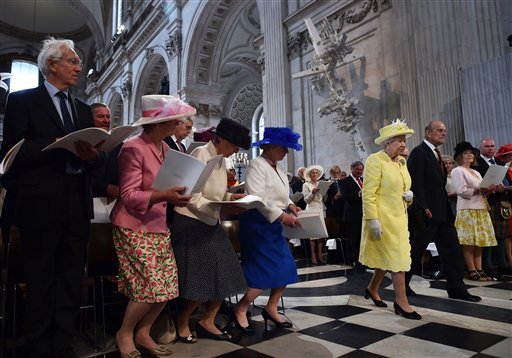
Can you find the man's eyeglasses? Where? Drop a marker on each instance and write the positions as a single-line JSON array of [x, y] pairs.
[[73, 61]]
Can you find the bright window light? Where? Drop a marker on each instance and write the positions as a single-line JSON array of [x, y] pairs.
[[24, 75]]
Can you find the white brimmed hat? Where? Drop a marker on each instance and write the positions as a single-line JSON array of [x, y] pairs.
[[310, 168], [158, 108], [396, 128]]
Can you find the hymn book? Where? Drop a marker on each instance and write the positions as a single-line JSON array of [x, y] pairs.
[[312, 225], [94, 136], [9, 157], [180, 169]]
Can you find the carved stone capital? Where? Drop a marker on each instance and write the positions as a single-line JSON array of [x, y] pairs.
[[173, 43], [295, 44]]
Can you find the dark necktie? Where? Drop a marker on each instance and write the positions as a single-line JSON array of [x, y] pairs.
[[492, 161], [66, 117], [441, 163], [180, 146]]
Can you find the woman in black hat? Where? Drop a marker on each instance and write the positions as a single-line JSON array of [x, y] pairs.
[[208, 268], [473, 222]]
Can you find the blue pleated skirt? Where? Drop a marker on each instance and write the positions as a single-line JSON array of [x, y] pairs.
[[266, 259]]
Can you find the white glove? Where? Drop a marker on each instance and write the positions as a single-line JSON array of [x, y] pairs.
[[376, 228], [408, 195]]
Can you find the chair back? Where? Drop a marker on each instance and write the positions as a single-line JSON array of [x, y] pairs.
[[101, 253], [231, 229], [333, 227]]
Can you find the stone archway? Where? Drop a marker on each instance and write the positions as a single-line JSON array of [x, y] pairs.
[[116, 106], [150, 78]]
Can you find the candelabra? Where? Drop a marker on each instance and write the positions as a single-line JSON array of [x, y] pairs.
[[240, 161]]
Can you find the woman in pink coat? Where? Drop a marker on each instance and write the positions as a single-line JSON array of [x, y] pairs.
[[147, 270]]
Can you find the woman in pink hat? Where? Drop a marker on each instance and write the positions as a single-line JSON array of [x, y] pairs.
[[148, 273]]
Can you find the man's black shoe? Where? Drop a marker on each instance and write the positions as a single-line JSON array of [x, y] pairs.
[[409, 292], [465, 297]]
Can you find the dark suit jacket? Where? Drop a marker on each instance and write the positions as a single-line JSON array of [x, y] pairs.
[[334, 208], [428, 185], [41, 176], [173, 145], [106, 174], [353, 209], [296, 185]]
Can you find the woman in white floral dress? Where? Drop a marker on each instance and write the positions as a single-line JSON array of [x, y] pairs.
[[473, 222]]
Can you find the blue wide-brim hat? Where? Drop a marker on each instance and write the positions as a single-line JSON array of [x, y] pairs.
[[282, 136]]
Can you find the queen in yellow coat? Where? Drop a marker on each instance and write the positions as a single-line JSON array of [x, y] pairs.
[[385, 237]]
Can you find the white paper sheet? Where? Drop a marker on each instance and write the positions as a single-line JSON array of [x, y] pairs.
[[180, 169], [494, 175], [313, 225]]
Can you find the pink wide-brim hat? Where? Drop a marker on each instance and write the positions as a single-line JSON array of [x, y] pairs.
[[158, 108]]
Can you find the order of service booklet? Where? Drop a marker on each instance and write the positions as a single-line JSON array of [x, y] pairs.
[[180, 169], [9, 157], [494, 175], [312, 225], [247, 202], [94, 135]]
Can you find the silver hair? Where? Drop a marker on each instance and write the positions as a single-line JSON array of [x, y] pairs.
[[52, 48]]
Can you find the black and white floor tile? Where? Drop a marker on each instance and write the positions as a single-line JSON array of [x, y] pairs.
[[332, 319]]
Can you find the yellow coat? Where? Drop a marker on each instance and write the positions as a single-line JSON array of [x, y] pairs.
[[385, 181]]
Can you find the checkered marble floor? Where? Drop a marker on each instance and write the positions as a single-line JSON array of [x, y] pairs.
[[332, 319]]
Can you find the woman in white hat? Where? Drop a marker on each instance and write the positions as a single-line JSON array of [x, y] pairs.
[[385, 237], [147, 270], [314, 201], [209, 270]]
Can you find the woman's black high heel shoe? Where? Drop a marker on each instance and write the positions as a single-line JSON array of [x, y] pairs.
[[204, 333], [278, 324], [378, 303], [410, 315], [245, 330]]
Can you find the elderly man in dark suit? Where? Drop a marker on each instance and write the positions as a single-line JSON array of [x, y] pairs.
[[53, 202], [433, 218], [494, 256], [350, 189], [180, 132]]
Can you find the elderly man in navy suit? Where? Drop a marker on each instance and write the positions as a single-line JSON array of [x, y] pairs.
[[53, 201], [433, 218]]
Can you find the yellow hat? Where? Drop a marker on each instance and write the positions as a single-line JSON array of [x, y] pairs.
[[396, 128]]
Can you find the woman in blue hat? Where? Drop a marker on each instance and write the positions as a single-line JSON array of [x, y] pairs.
[[266, 260]]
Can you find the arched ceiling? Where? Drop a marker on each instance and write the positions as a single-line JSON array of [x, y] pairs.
[[31, 20]]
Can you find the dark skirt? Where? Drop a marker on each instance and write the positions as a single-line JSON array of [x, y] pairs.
[[208, 268], [266, 259]]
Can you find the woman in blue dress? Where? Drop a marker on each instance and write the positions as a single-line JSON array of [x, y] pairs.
[[266, 260]]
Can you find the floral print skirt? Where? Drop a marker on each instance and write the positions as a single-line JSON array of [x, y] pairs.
[[147, 269], [474, 228]]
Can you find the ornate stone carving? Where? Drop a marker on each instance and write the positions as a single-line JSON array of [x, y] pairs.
[[295, 45], [261, 62], [356, 15], [173, 43], [126, 88]]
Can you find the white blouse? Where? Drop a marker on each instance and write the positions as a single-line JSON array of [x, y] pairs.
[[268, 183]]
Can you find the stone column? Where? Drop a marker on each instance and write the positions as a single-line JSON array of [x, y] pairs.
[[276, 78]]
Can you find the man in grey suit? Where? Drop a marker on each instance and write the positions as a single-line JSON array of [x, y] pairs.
[[432, 217], [53, 202]]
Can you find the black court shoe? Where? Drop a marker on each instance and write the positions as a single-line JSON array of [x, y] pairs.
[[266, 316], [245, 330], [409, 315], [204, 333], [378, 303]]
